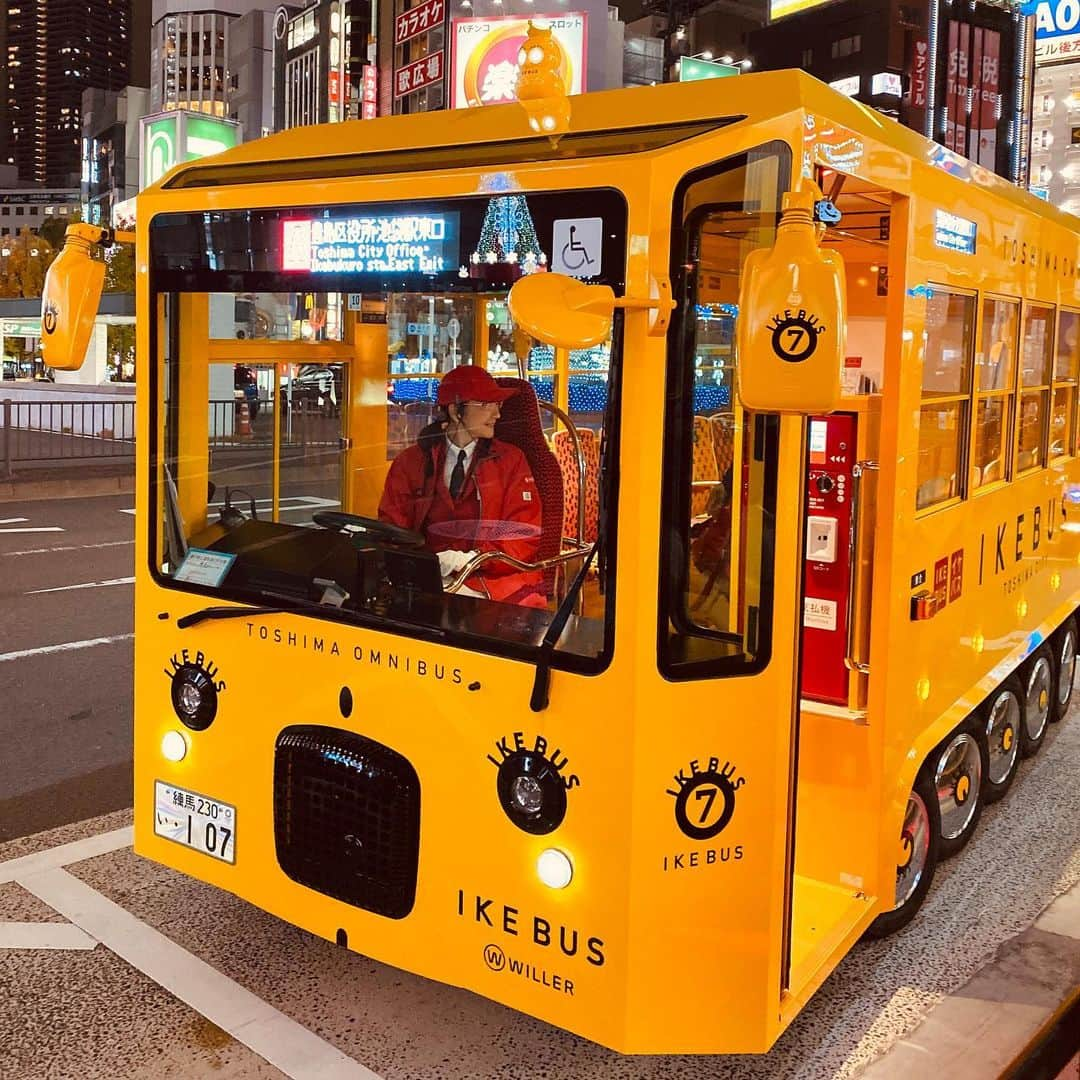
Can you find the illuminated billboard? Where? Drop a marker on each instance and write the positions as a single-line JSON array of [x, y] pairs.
[[485, 65], [371, 244], [176, 136], [779, 8]]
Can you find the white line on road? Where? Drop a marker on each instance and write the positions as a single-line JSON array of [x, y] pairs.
[[42, 528], [12, 521], [90, 847], [67, 646], [275, 1037], [85, 585], [68, 547], [44, 935]]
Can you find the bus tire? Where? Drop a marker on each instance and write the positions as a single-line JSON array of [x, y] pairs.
[[920, 841], [1002, 721], [1064, 646], [958, 765], [1038, 678]]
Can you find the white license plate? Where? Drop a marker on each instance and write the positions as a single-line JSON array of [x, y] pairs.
[[195, 821]]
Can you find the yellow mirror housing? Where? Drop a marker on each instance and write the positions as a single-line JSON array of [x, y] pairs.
[[561, 311], [792, 325], [70, 298]]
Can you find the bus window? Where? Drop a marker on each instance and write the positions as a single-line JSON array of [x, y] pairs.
[[946, 389], [718, 537], [333, 497], [995, 379], [1066, 370], [1036, 362]]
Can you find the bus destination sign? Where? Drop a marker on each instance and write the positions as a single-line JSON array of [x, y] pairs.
[[398, 244], [954, 233]]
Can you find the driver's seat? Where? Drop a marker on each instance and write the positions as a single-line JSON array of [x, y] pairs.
[[519, 423]]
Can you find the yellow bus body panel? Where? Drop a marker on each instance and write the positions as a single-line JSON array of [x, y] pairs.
[[691, 935]]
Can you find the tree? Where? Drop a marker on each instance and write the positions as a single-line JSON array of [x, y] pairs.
[[22, 268], [120, 268]]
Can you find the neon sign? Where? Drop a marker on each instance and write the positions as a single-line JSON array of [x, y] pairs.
[[370, 244]]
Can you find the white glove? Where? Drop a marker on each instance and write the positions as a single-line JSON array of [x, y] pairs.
[[450, 562]]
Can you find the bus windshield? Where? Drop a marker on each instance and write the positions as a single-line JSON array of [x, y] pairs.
[[348, 420]]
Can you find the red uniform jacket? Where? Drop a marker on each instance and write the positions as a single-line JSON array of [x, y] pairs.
[[499, 486]]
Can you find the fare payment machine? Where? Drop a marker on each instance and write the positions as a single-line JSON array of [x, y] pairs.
[[828, 577]]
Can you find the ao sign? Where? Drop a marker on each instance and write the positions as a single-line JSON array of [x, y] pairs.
[[1057, 31], [1053, 18]]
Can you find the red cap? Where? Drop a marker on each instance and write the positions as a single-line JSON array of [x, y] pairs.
[[471, 383]]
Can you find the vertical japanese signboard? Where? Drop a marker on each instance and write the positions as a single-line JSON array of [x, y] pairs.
[[370, 100], [918, 90], [973, 92], [420, 71]]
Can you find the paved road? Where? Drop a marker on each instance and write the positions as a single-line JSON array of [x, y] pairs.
[[65, 720]]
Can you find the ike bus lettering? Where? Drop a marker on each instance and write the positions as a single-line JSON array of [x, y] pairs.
[[1016, 538]]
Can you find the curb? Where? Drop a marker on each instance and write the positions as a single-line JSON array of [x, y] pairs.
[[30, 490]]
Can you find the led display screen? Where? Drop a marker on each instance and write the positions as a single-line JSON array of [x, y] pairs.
[[369, 244], [954, 233]]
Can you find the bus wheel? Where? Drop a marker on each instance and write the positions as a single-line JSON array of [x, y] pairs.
[[1065, 668], [1001, 730], [958, 773], [920, 839], [1038, 678]]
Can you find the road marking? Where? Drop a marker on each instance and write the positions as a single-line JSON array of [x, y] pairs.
[[42, 528], [68, 547], [12, 521], [66, 854], [275, 1037], [67, 646], [85, 585], [44, 935]]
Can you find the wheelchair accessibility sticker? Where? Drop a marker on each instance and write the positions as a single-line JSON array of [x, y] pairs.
[[577, 246]]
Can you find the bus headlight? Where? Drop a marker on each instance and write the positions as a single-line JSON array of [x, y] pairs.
[[174, 746], [531, 792], [555, 868], [194, 697]]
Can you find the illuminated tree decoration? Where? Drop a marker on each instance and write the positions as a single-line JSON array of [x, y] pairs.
[[508, 246]]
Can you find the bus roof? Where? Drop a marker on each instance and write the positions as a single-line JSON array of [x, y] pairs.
[[635, 120]]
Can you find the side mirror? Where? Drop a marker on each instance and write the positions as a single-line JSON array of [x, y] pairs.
[[567, 314], [70, 298], [792, 325]]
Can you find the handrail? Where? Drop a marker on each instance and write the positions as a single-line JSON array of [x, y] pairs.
[[470, 568], [853, 550]]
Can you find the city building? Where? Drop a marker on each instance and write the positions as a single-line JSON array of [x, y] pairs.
[[959, 73], [50, 52], [213, 57], [1055, 114], [110, 150], [24, 206], [320, 53]]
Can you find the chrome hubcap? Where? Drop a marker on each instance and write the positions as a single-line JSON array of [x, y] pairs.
[[1037, 704], [957, 781], [1066, 669], [1002, 734], [914, 848]]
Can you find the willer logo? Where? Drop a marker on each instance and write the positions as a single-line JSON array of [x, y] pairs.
[[497, 960]]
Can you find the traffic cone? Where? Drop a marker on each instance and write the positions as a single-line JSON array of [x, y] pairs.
[[243, 421]]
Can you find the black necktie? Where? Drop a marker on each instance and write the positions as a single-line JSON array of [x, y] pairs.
[[457, 477]]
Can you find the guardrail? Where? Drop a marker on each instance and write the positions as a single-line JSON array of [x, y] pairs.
[[54, 432]]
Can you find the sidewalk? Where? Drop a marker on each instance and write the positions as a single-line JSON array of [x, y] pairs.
[[981, 1029], [78, 479]]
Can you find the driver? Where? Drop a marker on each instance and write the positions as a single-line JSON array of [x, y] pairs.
[[468, 492]]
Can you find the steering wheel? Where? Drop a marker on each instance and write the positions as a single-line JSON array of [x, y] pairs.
[[362, 528]]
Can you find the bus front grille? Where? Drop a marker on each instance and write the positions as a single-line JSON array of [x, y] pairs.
[[347, 818]]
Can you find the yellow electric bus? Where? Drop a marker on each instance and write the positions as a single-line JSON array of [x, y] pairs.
[[803, 571]]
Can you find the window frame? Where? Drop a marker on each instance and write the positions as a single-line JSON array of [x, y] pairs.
[[677, 463], [166, 284], [1072, 383], [1008, 393], [963, 398], [1044, 389]]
